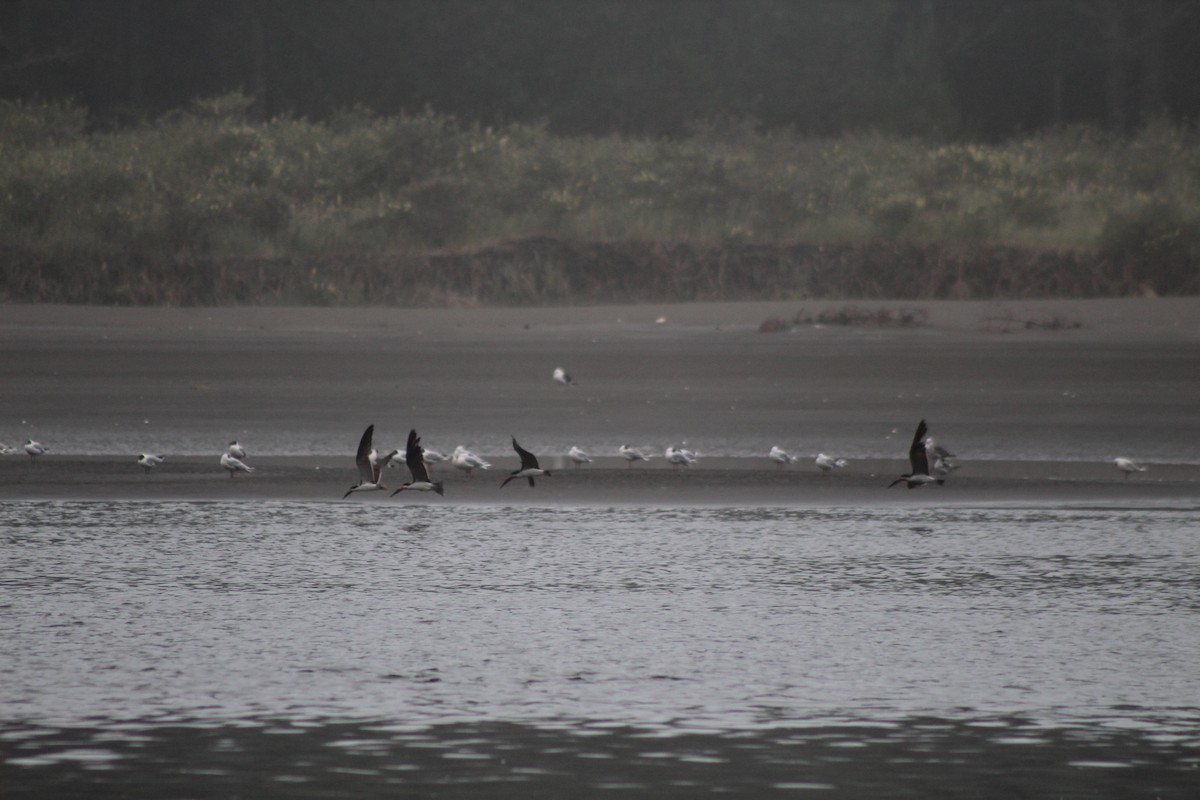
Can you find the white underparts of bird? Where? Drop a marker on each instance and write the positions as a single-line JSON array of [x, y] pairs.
[[560, 376], [826, 463], [149, 461], [1128, 466], [414, 457], [236, 450], [232, 464], [919, 459], [529, 466], [578, 456], [632, 454], [368, 474], [35, 449], [468, 462], [781, 456]]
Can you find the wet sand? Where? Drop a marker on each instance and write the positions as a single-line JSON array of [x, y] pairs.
[[156, 379]]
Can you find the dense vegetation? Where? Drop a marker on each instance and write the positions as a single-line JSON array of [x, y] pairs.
[[205, 206]]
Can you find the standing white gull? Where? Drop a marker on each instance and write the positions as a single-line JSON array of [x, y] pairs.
[[382, 460], [919, 459], [236, 450], [828, 463], [232, 464], [34, 449], [6, 450], [468, 462], [781, 456], [1128, 466], [529, 466], [632, 454], [368, 474], [149, 461], [679, 457], [414, 457], [578, 457], [561, 376]]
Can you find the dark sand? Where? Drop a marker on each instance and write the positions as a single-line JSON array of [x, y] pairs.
[[987, 372]]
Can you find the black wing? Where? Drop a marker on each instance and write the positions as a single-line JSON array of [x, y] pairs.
[[414, 456], [363, 457], [528, 459], [916, 453]]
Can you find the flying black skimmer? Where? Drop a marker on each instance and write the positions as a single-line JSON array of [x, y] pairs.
[[919, 460], [468, 462], [578, 457], [34, 449], [529, 466], [781, 456], [149, 461], [679, 457], [368, 474], [233, 464], [414, 456], [561, 376], [632, 454], [828, 463], [1128, 466], [236, 450]]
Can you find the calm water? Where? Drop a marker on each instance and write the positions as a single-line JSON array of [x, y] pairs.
[[329, 650]]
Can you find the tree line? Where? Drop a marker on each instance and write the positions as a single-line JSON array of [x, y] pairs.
[[986, 69]]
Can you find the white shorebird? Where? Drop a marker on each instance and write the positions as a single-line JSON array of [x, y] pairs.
[[368, 473], [380, 460], [6, 450], [561, 376], [578, 457], [632, 454], [233, 464], [149, 461], [414, 457], [34, 449], [529, 466], [936, 450], [781, 456], [919, 459], [236, 450], [433, 457], [828, 463], [942, 467], [679, 457], [1128, 466], [468, 462]]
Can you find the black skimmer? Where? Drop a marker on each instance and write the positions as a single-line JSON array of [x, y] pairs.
[[828, 463], [236, 450], [561, 376], [632, 454], [34, 449], [414, 456], [919, 460], [1128, 466], [232, 464], [529, 466], [781, 456], [149, 461], [578, 457], [368, 473], [468, 462]]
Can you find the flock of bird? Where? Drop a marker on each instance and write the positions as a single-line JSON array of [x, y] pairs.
[[929, 461]]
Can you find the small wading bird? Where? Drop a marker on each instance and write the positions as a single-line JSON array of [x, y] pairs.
[[414, 456], [149, 461], [578, 457], [1128, 466], [560, 376], [781, 456], [236, 450], [632, 454], [919, 460], [34, 449], [529, 466], [368, 474], [232, 464], [468, 462], [828, 463]]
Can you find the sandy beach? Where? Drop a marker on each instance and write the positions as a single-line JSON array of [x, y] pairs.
[[1034, 397]]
